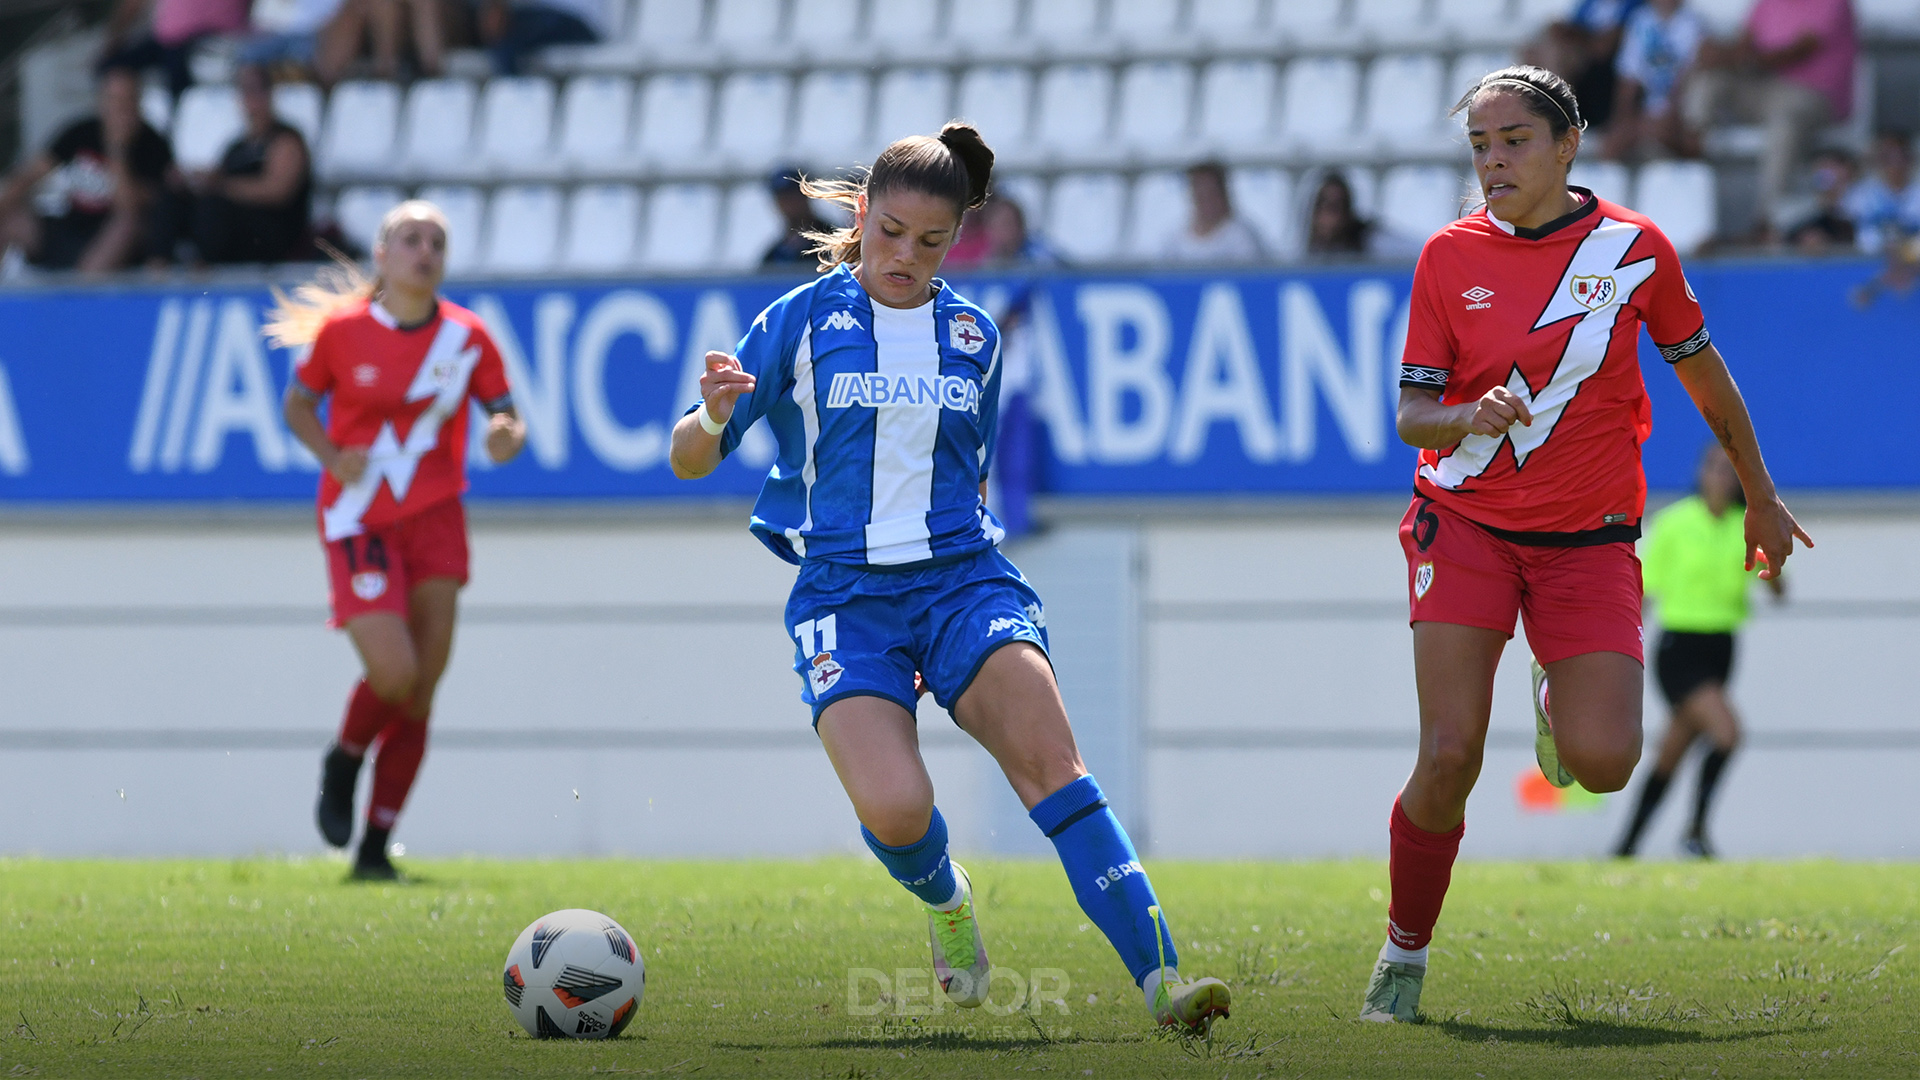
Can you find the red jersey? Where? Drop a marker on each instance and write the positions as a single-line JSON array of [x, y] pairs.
[[402, 394], [1554, 314]]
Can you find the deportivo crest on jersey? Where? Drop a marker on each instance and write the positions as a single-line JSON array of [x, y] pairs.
[[965, 333], [841, 320], [1422, 580], [825, 672], [1593, 292], [877, 391], [369, 585]]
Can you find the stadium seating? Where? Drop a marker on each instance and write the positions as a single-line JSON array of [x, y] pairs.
[[596, 125], [1608, 179], [830, 123], [911, 101], [751, 119], [1236, 106], [359, 210], [205, 121], [437, 129], [301, 106], [523, 230], [1157, 210], [516, 127], [682, 228], [465, 207], [1317, 106], [1087, 215], [603, 222], [1680, 196], [1418, 200], [357, 141], [1156, 97], [1403, 104], [751, 226], [1265, 199], [1072, 124], [998, 99], [673, 119]]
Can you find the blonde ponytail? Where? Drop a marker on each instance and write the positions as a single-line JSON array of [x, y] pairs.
[[296, 319]]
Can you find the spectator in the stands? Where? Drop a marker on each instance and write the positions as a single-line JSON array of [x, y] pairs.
[[109, 170], [1827, 226], [162, 34], [1334, 226], [1213, 235], [1581, 49], [512, 30], [322, 37], [1885, 205], [253, 207], [800, 222], [1791, 70], [1658, 48], [1009, 242]]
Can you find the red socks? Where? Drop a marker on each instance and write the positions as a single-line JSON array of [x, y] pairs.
[[1419, 866], [402, 746], [367, 716]]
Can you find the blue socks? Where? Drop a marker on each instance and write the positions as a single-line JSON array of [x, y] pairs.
[[1105, 873], [922, 866]]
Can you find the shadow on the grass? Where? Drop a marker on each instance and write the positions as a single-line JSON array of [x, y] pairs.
[[914, 1040], [1596, 1033]]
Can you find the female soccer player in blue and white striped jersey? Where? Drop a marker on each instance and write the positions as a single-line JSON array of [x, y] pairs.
[[881, 386]]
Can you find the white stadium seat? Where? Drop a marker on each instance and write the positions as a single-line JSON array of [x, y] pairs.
[[1608, 179], [523, 230], [1310, 22], [825, 29], [751, 122], [999, 101], [516, 126], [1468, 69], [1226, 22], [1155, 100], [466, 216], [1160, 207], [1892, 16], [1263, 197], [299, 106], [1028, 192], [596, 123], [1236, 104], [1477, 22], [358, 212], [984, 28], [896, 25], [362, 121], [1530, 16], [1318, 103], [830, 123], [1063, 26], [1679, 196], [682, 227], [1073, 108], [1144, 22], [205, 121], [747, 30], [753, 224], [1086, 212], [666, 28], [673, 118], [603, 221], [1394, 22], [1403, 109], [912, 101], [438, 132], [1418, 200]]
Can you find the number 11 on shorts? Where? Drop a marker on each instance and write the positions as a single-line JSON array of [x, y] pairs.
[[829, 630]]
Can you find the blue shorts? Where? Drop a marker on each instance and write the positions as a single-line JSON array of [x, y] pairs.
[[865, 632]]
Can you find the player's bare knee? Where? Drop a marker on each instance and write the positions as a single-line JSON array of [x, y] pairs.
[[898, 825], [393, 681]]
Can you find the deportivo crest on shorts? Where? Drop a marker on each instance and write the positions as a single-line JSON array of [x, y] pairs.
[[1422, 580], [369, 585], [1592, 291], [965, 333], [824, 674]]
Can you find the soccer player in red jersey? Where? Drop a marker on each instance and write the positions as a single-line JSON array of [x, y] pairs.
[[1521, 385], [397, 365]]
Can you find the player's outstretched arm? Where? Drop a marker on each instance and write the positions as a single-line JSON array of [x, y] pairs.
[[696, 438], [1770, 527], [302, 411], [1426, 423]]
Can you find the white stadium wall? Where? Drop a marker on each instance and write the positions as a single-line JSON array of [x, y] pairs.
[[1241, 684]]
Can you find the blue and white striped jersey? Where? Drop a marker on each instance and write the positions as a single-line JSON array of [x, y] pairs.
[[885, 422]]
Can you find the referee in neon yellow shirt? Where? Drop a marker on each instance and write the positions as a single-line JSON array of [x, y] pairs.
[[1694, 567]]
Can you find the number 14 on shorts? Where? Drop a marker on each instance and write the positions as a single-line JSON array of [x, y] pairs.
[[824, 670]]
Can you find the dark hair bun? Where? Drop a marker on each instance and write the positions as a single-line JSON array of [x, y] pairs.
[[964, 140]]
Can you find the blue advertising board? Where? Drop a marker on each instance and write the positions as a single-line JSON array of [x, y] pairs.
[[1259, 382]]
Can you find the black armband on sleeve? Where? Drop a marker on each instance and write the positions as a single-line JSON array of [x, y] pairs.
[[1677, 353], [501, 404], [1432, 378]]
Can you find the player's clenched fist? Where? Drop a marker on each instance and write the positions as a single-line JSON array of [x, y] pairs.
[[348, 464], [1497, 410], [723, 382]]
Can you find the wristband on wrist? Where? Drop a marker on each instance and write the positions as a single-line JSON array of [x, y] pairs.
[[707, 423]]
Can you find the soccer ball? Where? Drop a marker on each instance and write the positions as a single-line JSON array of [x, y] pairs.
[[574, 974]]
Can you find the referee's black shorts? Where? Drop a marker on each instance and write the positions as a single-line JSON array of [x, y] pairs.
[[1684, 662]]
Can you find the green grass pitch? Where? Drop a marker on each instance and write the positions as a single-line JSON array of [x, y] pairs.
[[213, 968]]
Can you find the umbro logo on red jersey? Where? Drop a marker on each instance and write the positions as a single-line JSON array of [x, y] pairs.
[[1477, 298]]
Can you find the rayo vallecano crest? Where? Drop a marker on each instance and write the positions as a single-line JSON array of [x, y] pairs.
[[1592, 291], [1422, 580]]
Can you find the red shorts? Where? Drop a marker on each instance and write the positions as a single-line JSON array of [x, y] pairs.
[[375, 570], [1574, 599]]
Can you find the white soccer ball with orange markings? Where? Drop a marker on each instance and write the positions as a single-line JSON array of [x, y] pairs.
[[574, 974]]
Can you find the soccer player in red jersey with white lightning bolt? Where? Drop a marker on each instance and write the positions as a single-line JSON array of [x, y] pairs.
[[398, 365], [1521, 385]]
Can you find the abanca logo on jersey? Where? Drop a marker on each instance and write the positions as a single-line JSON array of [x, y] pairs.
[[879, 391]]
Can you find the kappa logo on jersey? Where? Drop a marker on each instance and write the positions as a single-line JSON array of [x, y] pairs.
[[1037, 616], [965, 333], [1422, 580], [841, 320], [1477, 298], [1593, 292], [1000, 624], [366, 374], [369, 584], [878, 391], [825, 672]]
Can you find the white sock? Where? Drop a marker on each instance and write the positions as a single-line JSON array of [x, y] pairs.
[[1151, 984], [1394, 954], [959, 894]]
